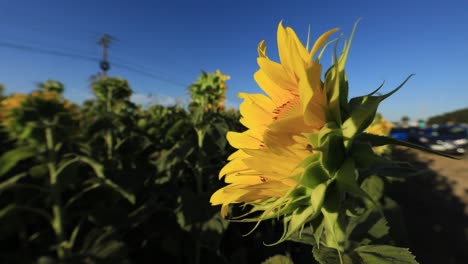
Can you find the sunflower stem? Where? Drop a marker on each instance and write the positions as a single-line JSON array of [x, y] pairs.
[[108, 136], [57, 210]]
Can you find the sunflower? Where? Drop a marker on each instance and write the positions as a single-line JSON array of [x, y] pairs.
[[380, 127], [265, 170]]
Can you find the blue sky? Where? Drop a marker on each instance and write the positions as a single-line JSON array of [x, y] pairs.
[[174, 40]]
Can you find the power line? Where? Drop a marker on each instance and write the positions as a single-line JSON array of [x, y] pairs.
[[47, 51], [128, 67], [87, 58]]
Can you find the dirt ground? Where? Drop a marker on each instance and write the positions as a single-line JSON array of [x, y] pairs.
[[435, 207]]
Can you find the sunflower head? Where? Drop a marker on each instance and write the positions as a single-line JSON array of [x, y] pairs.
[[25, 116], [303, 143], [271, 167]]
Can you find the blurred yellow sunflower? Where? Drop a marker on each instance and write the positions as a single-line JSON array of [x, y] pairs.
[[381, 127], [265, 166]]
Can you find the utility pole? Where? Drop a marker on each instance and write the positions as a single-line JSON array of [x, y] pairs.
[[105, 41]]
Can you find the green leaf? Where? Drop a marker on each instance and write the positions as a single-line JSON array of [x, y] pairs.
[[62, 166], [347, 181], [326, 255], [374, 187], [81, 194], [311, 234], [376, 140], [278, 259], [128, 196], [305, 236], [10, 158], [379, 229], [46, 260], [99, 171], [383, 254], [175, 129], [7, 210], [96, 166], [11, 181], [14, 207], [105, 244], [38, 171], [335, 237]]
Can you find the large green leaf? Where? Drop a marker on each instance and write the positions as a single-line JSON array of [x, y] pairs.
[[383, 254], [376, 140], [10, 158]]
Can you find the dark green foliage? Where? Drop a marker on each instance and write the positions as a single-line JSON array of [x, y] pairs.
[[132, 185], [458, 116], [52, 86]]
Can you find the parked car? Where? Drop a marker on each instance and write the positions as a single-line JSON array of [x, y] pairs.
[[410, 134], [451, 139]]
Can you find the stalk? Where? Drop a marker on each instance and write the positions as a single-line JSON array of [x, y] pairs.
[[108, 136], [199, 186], [57, 209]]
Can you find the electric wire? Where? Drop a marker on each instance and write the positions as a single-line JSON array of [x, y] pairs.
[[128, 67]]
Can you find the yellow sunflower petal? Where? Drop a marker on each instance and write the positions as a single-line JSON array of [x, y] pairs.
[[244, 140], [256, 110], [271, 88], [277, 74]]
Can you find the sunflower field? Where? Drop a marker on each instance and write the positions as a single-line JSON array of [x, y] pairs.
[[296, 175]]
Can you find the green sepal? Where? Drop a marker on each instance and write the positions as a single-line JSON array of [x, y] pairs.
[[313, 175], [309, 160], [310, 234], [313, 140], [362, 113], [295, 221], [333, 151], [332, 84], [364, 156], [346, 180], [336, 82]]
